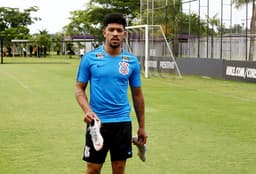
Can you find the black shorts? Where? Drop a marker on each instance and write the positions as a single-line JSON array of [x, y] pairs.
[[117, 140]]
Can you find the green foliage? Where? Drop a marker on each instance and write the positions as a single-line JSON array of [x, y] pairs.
[[42, 38], [56, 41], [14, 23], [168, 14], [240, 3], [127, 7], [89, 20]]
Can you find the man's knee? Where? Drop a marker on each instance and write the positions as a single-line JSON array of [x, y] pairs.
[[118, 167], [93, 168]]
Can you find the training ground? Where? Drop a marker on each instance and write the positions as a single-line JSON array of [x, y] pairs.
[[195, 125]]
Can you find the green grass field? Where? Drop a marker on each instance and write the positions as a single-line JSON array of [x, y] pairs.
[[195, 125]]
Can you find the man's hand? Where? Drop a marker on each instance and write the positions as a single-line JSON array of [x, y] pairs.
[[90, 116], [142, 136]]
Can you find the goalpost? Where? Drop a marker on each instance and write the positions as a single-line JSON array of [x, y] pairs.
[[149, 44]]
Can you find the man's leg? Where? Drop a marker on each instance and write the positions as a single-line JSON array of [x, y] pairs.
[[121, 146], [118, 167], [93, 168]]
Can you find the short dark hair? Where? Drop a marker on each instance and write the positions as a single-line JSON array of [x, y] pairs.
[[114, 18]]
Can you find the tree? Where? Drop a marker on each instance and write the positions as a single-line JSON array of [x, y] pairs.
[[237, 28], [215, 26], [165, 13], [129, 8], [42, 39], [89, 20], [56, 41], [14, 23], [168, 14], [239, 3]]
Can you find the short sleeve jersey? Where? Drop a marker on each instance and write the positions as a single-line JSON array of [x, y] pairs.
[[109, 79]]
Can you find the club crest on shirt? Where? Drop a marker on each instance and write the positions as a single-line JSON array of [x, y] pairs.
[[124, 68]]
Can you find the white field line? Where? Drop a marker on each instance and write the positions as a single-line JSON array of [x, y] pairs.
[[19, 82]]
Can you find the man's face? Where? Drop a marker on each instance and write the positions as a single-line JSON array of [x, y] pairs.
[[114, 35]]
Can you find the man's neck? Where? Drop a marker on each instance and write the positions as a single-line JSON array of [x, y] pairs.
[[113, 51]]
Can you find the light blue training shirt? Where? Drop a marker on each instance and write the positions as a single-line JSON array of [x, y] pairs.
[[109, 79]]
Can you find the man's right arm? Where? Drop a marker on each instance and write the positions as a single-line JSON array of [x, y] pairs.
[[82, 100], [81, 96]]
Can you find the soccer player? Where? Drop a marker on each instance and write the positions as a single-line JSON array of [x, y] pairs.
[[110, 70]]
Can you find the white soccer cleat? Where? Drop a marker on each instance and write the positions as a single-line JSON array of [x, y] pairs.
[[141, 148], [97, 139]]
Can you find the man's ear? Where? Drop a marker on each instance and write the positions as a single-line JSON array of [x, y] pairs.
[[103, 32]]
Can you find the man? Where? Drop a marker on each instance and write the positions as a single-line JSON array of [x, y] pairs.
[[110, 69]]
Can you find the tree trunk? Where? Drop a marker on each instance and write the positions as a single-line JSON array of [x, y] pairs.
[[253, 32]]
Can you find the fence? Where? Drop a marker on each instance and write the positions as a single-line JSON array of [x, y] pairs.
[[230, 47], [233, 38]]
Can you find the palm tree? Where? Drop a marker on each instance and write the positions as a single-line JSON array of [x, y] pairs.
[[214, 23], [239, 3]]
